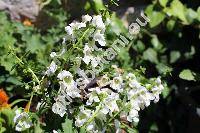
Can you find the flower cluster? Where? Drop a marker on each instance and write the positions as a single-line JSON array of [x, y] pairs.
[[22, 120], [101, 95]]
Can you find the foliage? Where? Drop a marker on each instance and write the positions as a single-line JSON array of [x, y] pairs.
[[168, 46]]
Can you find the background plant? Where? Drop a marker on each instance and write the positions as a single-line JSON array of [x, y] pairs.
[[167, 47]]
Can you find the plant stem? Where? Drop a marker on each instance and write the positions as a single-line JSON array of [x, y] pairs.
[[93, 116]]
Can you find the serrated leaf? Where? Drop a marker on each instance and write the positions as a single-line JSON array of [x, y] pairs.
[[156, 43], [67, 126], [155, 17], [7, 61], [170, 25], [83, 130], [163, 69], [99, 5], [191, 15], [177, 9], [151, 55], [174, 56], [33, 43], [163, 2], [187, 75], [198, 12]]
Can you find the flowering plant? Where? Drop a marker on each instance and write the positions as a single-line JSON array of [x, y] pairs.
[[84, 84]]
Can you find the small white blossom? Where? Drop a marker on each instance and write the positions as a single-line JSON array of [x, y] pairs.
[[100, 38], [77, 25], [69, 90], [93, 97], [110, 104], [59, 107], [116, 83], [53, 54], [54, 131], [103, 81], [134, 84], [133, 116], [98, 22], [83, 116], [22, 120], [69, 30], [86, 18], [51, 69], [65, 74], [88, 57]]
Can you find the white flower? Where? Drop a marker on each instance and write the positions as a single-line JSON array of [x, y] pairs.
[[131, 93], [54, 131], [90, 127], [87, 54], [38, 106], [86, 18], [133, 113], [98, 22], [69, 30], [22, 120], [103, 81], [65, 74], [59, 107], [135, 104], [145, 98], [51, 69], [116, 83], [158, 81], [93, 97], [100, 38], [69, 90], [110, 104], [133, 116], [157, 90], [83, 116], [88, 57], [53, 54], [134, 84], [77, 25], [130, 76]]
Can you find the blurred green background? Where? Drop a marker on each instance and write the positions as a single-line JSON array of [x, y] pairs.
[[168, 46]]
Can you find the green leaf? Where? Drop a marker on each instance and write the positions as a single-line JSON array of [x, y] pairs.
[[177, 9], [67, 126], [163, 2], [156, 43], [170, 25], [187, 75], [37, 128], [151, 55], [140, 46], [191, 15], [155, 17], [198, 12], [33, 43], [8, 116], [7, 61], [99, 5], [174, 56], [163, 69], [82, 130]]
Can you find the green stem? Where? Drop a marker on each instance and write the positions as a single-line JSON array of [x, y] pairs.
[[33, 75], [29, 103], [75, 45], [93, 116]]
